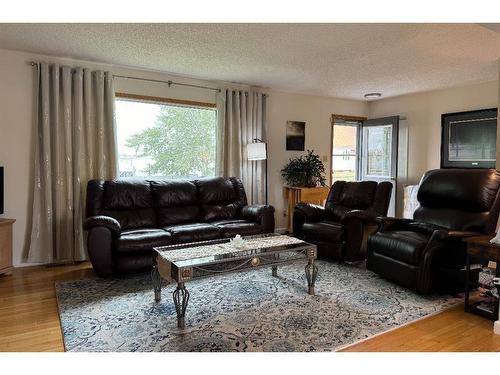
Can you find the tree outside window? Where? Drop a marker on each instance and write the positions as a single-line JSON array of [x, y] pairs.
[[159, 140]]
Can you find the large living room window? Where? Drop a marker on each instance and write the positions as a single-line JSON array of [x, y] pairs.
[[165, 139]]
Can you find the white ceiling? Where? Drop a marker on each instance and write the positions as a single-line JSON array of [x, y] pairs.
[[342, 60]]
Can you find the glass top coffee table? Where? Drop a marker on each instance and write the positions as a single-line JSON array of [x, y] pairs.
[[184, 262]]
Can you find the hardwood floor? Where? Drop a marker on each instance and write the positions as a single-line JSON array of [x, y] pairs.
[[29, 319], [449, 331]]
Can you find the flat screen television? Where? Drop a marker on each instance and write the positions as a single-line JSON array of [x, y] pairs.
[[1, 190], [469, 139]]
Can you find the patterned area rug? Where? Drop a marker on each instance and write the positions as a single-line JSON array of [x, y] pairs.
[[246, 311]]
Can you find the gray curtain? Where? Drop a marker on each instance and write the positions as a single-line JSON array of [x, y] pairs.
[[241, 117], [76, 141]]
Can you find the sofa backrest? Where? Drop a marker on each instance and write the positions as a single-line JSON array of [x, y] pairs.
[[160, 203], [460, 199], [176, 201], [128, 201], [360, 195], [220, 198]]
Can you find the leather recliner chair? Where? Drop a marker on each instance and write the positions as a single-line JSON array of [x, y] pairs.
[[427, 253], [127, 218], [340, 229]]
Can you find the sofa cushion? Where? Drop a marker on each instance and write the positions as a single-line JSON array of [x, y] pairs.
[[216, 190], [219, 198], [358, 194], [133, 219], [230, 228], [472, 190], [142, 240], [405, 246], [130, 202], [218, 212], [175, 201], [229, 221], [193, 232], [337, 212], [127, 194], [328, 231]]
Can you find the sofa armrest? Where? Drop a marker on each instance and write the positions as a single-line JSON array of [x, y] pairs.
[[439, 232], [262, 214], [439, 235], [310, 212], [357, 226], [306, 213], [103, 221], [426, 227], [255, 212], [392, 223], [99, 248], [362, 215], [459, 234]]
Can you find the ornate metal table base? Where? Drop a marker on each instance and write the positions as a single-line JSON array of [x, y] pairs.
[[181, 299], [188, 269], [311, 273], [180, 294], [275, 271], [157, 280]]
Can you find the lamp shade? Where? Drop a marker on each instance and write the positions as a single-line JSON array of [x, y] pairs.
[[256, 151]]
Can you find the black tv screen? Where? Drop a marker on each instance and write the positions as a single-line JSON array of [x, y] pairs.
[[469, 139], [1, 190]]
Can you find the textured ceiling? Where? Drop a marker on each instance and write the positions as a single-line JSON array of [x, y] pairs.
[[342, 60]]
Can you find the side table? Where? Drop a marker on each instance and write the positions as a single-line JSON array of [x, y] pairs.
[[481, 248], [6, 245]]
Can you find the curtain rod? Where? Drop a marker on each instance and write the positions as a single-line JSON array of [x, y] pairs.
[[169, 82]]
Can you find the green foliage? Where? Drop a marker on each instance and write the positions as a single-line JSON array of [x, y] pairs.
[[307, 170], [181, 143]]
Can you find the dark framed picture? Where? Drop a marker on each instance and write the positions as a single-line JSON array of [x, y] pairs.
[[468, 139], [295, 135]]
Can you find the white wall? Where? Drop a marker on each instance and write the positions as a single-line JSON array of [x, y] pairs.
[[17, 124], [423, 119]]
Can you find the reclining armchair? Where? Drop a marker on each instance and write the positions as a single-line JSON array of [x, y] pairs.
[[340, 229], [427, 254]]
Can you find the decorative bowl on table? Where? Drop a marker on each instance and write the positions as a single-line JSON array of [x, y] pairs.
[[238, 242]]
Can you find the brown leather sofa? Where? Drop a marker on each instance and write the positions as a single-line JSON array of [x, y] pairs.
[[127, 218], [340, 229], [427, 254]]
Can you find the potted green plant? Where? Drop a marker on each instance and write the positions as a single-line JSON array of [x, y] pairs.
[[305, 171]]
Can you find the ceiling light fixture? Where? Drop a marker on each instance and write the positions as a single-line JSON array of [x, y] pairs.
[[373, 95]]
